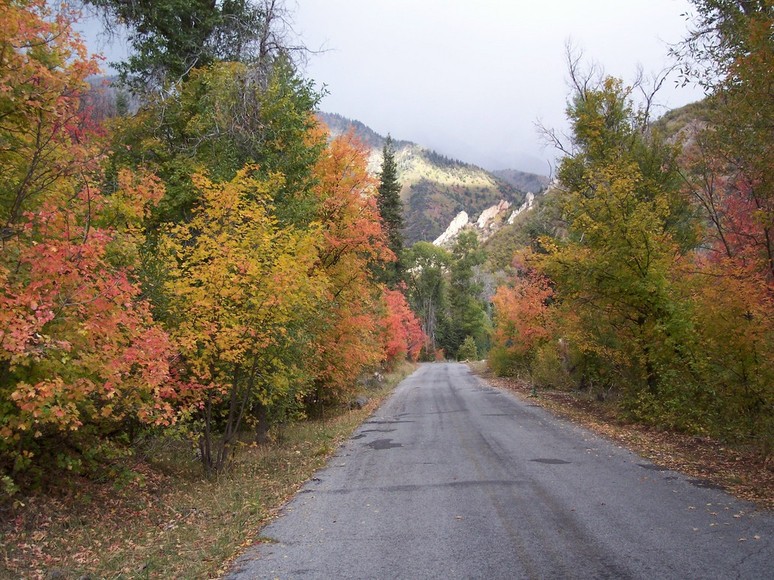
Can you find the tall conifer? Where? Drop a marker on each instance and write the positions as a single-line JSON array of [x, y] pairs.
[[391, 210]]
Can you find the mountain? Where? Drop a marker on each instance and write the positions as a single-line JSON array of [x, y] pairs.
[[522, 180], [436, 188]]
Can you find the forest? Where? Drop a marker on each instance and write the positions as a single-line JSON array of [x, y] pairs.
[[207, 263], [197, 261]]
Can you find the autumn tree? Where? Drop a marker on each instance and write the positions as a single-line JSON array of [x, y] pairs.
[[728, 175], [524, 320], [43, 74], [626, 221], [403, 334], [730, 163], [81, 359], [225, 116], [347, 329], [238, 286]]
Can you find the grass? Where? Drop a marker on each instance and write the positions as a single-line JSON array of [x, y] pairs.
[[162, 518]]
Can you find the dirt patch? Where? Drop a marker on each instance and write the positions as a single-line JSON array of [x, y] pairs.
[[741, 472]]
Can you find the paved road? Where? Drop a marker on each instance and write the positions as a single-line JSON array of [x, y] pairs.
[[454, 479]]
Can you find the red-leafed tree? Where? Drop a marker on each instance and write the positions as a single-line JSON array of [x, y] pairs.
[[80, 356], [403, 332]]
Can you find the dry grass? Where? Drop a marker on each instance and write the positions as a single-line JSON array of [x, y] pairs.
[[740, 471], [162, 519]]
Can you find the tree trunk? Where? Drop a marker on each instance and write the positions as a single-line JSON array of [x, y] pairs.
[[262, 428]]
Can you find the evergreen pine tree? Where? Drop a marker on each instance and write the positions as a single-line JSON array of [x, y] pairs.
[[391, 210]]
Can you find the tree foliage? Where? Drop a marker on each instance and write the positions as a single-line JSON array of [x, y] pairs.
[[524, 321], [352, 245], [426, 268], [80, 355], [655, 281], [391, 211], [444, 290], [213, 268], [467, 316], [172, 38], [237, 285]]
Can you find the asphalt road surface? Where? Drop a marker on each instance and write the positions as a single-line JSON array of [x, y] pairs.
[[451, 478]]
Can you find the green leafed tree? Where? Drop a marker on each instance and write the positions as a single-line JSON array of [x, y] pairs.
[[467, 315], [171, 38], [426, 277], [625, 224], [391, 211]]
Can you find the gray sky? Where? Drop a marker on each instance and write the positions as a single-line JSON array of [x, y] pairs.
[[470, 78]]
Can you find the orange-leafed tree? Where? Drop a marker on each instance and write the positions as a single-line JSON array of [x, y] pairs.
[[404, 338], [43, 74], [524, 320], [80, 356], [348, 333]]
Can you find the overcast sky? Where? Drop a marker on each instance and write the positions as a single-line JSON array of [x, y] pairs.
[[470, 78]]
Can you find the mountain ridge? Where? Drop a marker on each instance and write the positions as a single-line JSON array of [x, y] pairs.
[[435, 188]]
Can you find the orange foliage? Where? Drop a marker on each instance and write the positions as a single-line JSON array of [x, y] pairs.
[[523, 317], [348, 334], [78, 345], [77, 342], [403, 332]]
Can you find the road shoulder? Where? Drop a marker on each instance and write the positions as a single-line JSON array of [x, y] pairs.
[[741, 473]]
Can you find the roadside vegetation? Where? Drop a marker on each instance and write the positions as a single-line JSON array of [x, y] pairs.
[[646, 277], [189, 273], [155, 514]]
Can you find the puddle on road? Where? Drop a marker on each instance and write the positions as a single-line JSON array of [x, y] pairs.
[[551, 461], [380, 444]]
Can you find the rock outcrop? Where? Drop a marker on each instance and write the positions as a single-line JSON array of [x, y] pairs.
[[455, 227]]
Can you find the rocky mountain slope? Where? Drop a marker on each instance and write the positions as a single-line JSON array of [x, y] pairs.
[[437, 189], [523, 181]]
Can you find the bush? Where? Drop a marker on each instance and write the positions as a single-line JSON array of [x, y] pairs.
[[468, 349], [548, 368]]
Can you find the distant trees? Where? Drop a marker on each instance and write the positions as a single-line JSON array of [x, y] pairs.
[[426, 277], [445, 292], [467, 315]]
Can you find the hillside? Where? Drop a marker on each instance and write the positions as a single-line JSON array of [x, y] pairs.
[[435, 188], [522, 180]]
